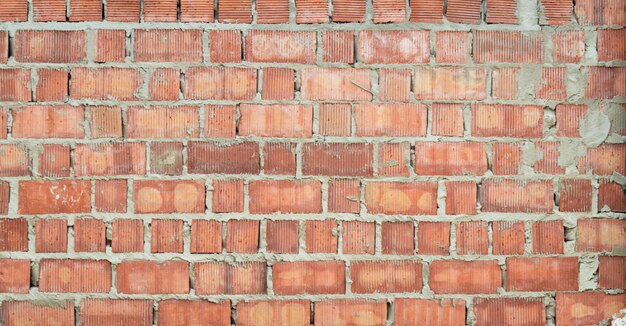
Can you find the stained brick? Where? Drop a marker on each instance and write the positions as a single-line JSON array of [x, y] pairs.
[[312, 277], [15, 275], [601, 234], [335, 84], [450, 83], [235, 11], [273, 312], [50, 235], [401, 198], [502, 310], [598, 307], [433, 238], [52, 85], [502, 195], [348, 311], [472, 238], [542, 274], [282, 236], [321, 236], [394, 85], [285, 196], [390, 119], [276, 120], [337, 159], [471, 277], [311, 11], [225, 46], [222, 278], [280, 46], [444, 312], [506, 120], [127, 235], [89, 235], [54, 197], [508, 238], [230, 158], [14, 234], [149, 277], [358, 237], [338, 46], [452, 47], [102, 312], [386, 276], [344, 195], [401, 47], [219, 83], [16, 313], [162, 122], [505, 46], [69, 275], [450, 158], [398, 238], [168, 45], [171, 196], [194, 312]]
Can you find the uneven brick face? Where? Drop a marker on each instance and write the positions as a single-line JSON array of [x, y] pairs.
[[54, 197], [508, 238], [600, 235], [335, 84], [449, 83], [504, 120]]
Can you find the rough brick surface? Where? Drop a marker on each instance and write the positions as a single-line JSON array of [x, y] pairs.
[[312, 162]]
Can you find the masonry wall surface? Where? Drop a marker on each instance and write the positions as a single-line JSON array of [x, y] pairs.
[[312, 162]]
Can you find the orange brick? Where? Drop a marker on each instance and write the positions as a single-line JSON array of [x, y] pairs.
[[220, 83], [349, 312], [89, 235], [390, 119], [606, 82], [54, 197], [285, 196], [556, 12], [504, 83], [171, 196], [452, 47], [427, 11], [163, 122], [4, 46], [276, 120], [398, 238], [337, 159], [15, 84], [549, 153], [598, 306], [345, 11], [592, 12], [463, 11], [393, 159], [148, 277], [311, 11], [282, 237], [272, 11], [119, 158], [120, 84], [506, 120], [51, 235], [358, 237], [17, 313], [223, 278], [575, 195], [604, 160], [337, 46], [105, 122], [220, 121], [611, 195], [568, 118], [387, 46], [166, 158], [506, 158], [127, 235], [123, 10], [401, 198], [461, 197], [167, 236], [386, 276], [508, 238], [445, 312], [450, 158], [225, 46], [433, 238], [394, 85], [612, 273], [197, 11], [386, 11], [569, 46], [4, 197], [15, 161], [470, 277], [102, 312], [235, 11], [14, 234], [321, 236], [194, 312], [164, 84], [499, 311], [85, 10], [242, 236], [50, 46], [501, 195], [206, 237], [447, 119], [548, 237], [110, 45], [52, 85], [335, 84], [72, 275], [552, 85], [502, 12], [59, 121], [507, 46], [311, 277], [273, 312], [160, 10], [278, 84], [169, 45], [228, 196], [15, 275], [344, 195], [279, 158], [335, 119], [601, 234], [223, 158], [450, 83], [542, 274], [110, 196], [280, 46], [472, 238]]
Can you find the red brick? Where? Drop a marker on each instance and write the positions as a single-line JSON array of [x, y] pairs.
[[394, 85], [274, 312], [463, 11], [110, 196], [85, 10], [390, 119], [587, 308], [502, 195], [222, 278], [606, 82], [14, 234], [401, 47], [17, 313], [393, 159], [285, 196], [506, 120], [123, 10], [220, 83], [386, 276], [89, 235], [276, 120], [427, 11], [401, 198], [398, 238], [52, 85], [310, 277], [70, 275], [450, 83], [15, 161], [472, 238], [594, 12], [504, 83], [447, 119], [510, 311], [350, 312], [552, 85], [54, 197], [542, 274], [50, 46], [169, 196], [321, 236], [110, 45], [569, 46], [337, 159], [163, 122], [194, 312], [227, 196], [548, 162], [612, 274], [279, 158], [166, 158], [105, 122], [109, 83], [556, 12], [15, 275], [206, 237], [280, 46], [197, 11], [445, 312], [127, 235], [43, 121], [272, 11], [335, 84], [160, 10], [469, 277], [50, 235], [450, 158], [167, 236], [433, 238], [601, 234], [508, 46], [344, 195], [148, 277], [501, 11], [345, 11], [169, 45], [164, 84], [548, 237], [278, 84], [611, 195], [225, 46], [220, 121], [335, 119], [452, 47], [311, 11], [15, 84], [358, 237], [232, 158], [506, 158], [4, 121], [604, 160], [4, 197], [110, 159], [575, 195], [235, 11], [337, 46], [460, 197], [386, 11], [568, 118], [242, 236], [282, 237], [103, 312], [49, 10], [4, 46], [508, 238]]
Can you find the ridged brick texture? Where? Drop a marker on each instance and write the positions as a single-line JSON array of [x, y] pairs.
[[312, 162]]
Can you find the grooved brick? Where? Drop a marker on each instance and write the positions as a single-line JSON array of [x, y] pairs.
[[73, 275], [234, 11], [463, 11], [611, 195], [575, 195], [344, 195], [110, 196], [51, 235], [15, 85], [350, 312], [15, 160], [169, 196], [15, 275], [390, 119], [542, 274], [433, 238], [228, 196], [600, 234], [358, 237], [444, 312], [105, 83], [312, 277], [162, 122], [338, 46], [406, 198], [548, 237], [85, 10], [272, 11], [394, 85], [596, 305], [472, 238], [311, 11], [345, 11], [127, 235], [52, 85], [506, 311], [470, 277], [556, 12], [450, 158], [501, 11], [206, 237], [504, 83], [549, 153], [397, 238], [393, 159], [220, 121], [569, 46], [604, 160], [123, 10], [225, 46], [552, 85], [335, 119], [220, 83], [505, 195], [273, 312], [594, 12], [505, 46], [169, 45], [242, 236], [17, 313], [167, 236], [48, 121], [5, 191], [222, 278], [282, 236], [506, 158], [229, 158], [109, 159], [110, 45], [89, 235], [14, 11], [386, 276], [508, 238], [194, 312], [611, 272], [568, 118], [321, 236], [337, 159], [280, 158], [276, 120], [54, 197], [160, 10], [335, 84], [460, 197], [278, 84], [105, 121], [507, 120], [401, 47], [166, 158], [285, 196], [606, 82], [197, 11], [14, 234], [387, 11], [447, 119], [149, 277], [103, 312], [426, 11], [450, 83], [452, 46]]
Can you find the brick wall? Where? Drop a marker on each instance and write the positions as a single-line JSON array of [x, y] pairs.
[[297, 162]]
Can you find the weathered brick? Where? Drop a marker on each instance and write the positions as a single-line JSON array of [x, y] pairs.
[[228, 196], [123, 10], [166, 158], [450, 83], [164, 84], [393, 159], [611, 196], [206, 237], [433, 238], [73, 275], [278, 84], [452, 47], [569, 46], [272, 11], [242, 236], [197, 11], [105, 122], [335, 84], [337, 159], [235, 11], [14, 234], [337, 46], [168, 45], [503, 311], [50, 46], [235, 158], [222, 278], [606, 82], [194, 312], [171, 196], [127, 235], [601, 234], [44, 121], [160, 10], [285, 196], [575, 195], [102, 312], [225, 46], [401, 47], [344, 195], [110, 159], [401, 198], [507, 120], [52, 85], [345, 11], [282, 236], [394, 85], [444, 312], [15, 275], [15, 85], [398, 238], [89, 235], [510, 47], [277, 120], [280, 46], [120, 84], [471, 277], [358, 237], [17, 313], [612, 272], [502, 195], [350, 312], [110, 196], [335, 119], [390, 119], [387, 11], [542, 274], [279, 158], [597, 307], [85, 10], [501, 11], [15, 160], [472, 238], [54, 197], [508, 238], [312, 277], [450, 158], [219, 83], [548, 237], [463, 11], [110, 45], [311, 11], [604, 160], [321, 236], [386, 276], [148, 277], [162, 122], [273, 312], [167, 236]]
